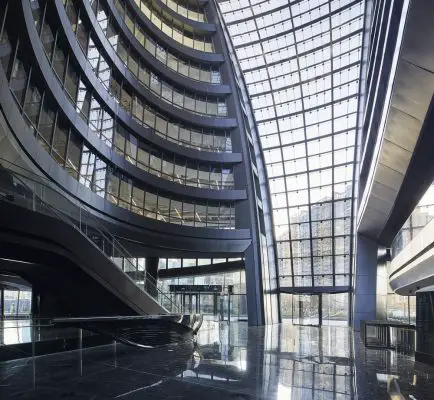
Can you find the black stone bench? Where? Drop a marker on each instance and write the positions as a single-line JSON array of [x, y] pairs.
[[140, 331]]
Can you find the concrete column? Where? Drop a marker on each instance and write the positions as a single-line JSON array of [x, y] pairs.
[[365, 292]]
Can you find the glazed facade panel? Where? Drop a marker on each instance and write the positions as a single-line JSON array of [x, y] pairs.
[[301, 63]]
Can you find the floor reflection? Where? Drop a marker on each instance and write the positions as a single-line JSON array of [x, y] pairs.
[[19, 331], [290, 362], [15, 331], [229, 361]]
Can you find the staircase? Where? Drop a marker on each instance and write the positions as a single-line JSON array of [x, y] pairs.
[[40, 223]]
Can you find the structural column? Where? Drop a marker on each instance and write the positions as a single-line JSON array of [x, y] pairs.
[[365, 287], [425, 326]]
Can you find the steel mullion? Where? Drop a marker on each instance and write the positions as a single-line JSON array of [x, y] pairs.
[[353, 200], [307, 161], [333, 154]]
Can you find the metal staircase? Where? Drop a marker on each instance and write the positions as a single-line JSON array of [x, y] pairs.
[[19, 186]]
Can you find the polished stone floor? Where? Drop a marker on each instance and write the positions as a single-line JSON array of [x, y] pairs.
[[229, 361]]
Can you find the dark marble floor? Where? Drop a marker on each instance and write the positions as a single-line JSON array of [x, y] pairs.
[[229, 362]]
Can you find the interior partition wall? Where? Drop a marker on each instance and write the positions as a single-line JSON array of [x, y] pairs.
[[301, 62]]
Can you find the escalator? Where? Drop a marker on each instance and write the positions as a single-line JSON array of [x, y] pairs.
[[66, 253]]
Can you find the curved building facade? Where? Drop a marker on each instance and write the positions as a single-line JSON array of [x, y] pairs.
[[132, 109]]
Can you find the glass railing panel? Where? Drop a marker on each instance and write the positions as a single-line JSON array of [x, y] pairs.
[[141, 112], [187, 11], [186, 38], [183, 67]]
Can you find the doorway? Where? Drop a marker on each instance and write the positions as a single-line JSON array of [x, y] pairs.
[[214, 302], [191, 302], [306, 310], [315, 309]]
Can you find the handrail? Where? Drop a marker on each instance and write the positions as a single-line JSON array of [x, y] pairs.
[[38, 189]]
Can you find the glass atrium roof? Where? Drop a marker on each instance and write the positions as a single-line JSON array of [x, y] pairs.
[[301, 64]]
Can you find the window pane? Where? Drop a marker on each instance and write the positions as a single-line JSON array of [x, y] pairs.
[[46, 124], [71, 81], [32, 104], [59, 63], [60, 139], [74, 155], [18, 80]]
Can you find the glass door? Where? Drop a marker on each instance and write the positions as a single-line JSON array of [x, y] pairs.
[[335, 308], [207, 304], [306, 309], [315, 309], [225, 307], [190, 302]]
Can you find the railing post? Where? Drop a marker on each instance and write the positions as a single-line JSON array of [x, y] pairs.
[[80, 350], [33, 334]]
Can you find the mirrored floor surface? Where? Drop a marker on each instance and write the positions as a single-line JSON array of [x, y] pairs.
[[229, 361]]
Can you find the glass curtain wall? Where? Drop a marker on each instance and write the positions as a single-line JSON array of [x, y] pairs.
[[301, 63]]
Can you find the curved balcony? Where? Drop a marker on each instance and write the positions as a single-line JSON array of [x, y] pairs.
[[192, 12], [66, 154], [122, 222], [184, 34], [182, 65], [149, 96], [88, 134], [411, 270], [201, 102], [102, 92], [196, 20], [176, 47], [197, 79], [206, 104]]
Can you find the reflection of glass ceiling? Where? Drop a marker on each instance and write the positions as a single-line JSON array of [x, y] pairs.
[[301, 62]]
